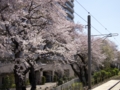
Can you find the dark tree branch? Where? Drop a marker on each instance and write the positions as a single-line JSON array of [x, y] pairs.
[[3, 8], [74, 70], [30, 6]]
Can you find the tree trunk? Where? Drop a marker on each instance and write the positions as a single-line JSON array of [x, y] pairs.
[[20, 85], [18, 70], [81, 74], [82, 71], [86, 75], [19, 78], [84, 68], [20, 82], [32, 78]]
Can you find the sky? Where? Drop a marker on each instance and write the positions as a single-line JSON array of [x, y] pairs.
[[107, 12]]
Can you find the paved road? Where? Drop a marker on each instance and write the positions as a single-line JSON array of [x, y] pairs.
[[107, 85]]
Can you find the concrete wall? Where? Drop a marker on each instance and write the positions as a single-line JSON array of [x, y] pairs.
[[52, 68], [48, 68], [68, 67]]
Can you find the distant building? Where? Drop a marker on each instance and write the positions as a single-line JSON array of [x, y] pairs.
[[47, 70], [69, 9]]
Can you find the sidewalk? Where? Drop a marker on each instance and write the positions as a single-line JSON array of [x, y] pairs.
[[107, 85], [117, 87], [43, 87]]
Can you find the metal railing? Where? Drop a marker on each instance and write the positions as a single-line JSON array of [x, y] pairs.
[[71, 85]]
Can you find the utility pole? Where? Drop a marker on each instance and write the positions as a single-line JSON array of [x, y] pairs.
[[89, 52]]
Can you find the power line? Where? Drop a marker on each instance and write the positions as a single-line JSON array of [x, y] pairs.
[[96, 29], [92, 16], [100, 23], [80, 17], [116, 40], [88, 13], [82, 7], [95, 19], [86, 22]]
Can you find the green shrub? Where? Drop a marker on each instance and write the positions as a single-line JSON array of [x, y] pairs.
[[75, 86], [55, 78], [66, 78], [13, 86], [95, 77], [98, 76], [6, 83], [109, 74], [103, 74], [116, 71], [93, 81], [106, 74], [43, 80], [27, 82], [60, 81], [71, 77]]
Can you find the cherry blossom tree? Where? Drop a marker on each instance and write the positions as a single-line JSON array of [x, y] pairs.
[[110, 50], [100, 51], [25, 27], [33, 29], [80, 61]]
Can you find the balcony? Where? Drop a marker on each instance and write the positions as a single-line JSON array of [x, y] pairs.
[[69, 8], [70, 15], [70, 3]]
